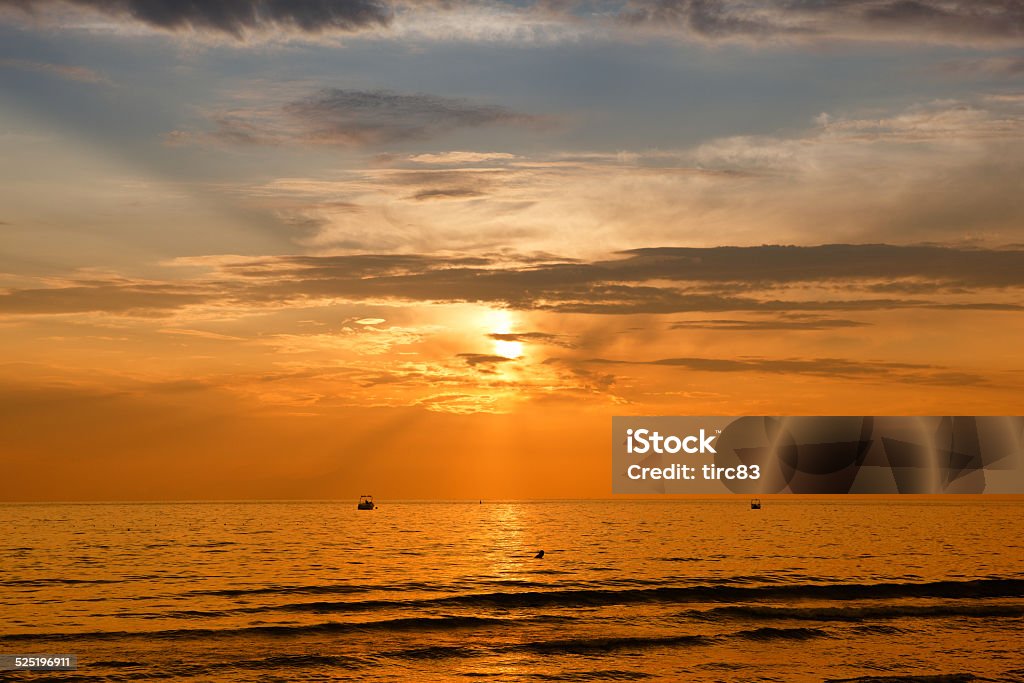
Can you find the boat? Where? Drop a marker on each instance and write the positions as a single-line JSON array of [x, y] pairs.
[[365, 503], [755, 504]]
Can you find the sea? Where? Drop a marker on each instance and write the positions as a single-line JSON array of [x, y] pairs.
[[699, 590]]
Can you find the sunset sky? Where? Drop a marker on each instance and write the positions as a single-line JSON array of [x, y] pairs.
[[427, 249]]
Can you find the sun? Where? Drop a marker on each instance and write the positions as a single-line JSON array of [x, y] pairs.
[[501, 322]]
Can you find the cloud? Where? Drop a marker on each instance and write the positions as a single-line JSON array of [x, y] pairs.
[[765, 279], [1008, 67], [236, 18], [486, 360], [935, 171], [829, 262], [660, 280], [786, 322], [372, 116], [366, 340], [1002, 19], [715, 19], [336, 116], [532, 337], [457, 157], [971, 22], [459, 404], [68, 72], [119, 298], [947, 21], [447, 193], [937, 121], [204, 334], [825, 367]]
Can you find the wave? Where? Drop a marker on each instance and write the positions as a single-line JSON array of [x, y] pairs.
[[432, 652], [443, 623], [272, 590], [322, 589], [271, 663], [857, 614], [769, 633], [876, 630], [600, 675], [938, 678], [610, 644], [55, 582], [734, 589], [591, 597], [745, 596], [300, 661], [589, 645]]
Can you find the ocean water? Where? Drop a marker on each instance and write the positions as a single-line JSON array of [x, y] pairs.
[[696, 590]]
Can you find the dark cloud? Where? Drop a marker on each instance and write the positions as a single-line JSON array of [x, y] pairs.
[[447, 193], [784, 323], [943, 20], [979, 306], [670, 280], [335, 116], [956, 21], [475, 359], [532, 337], [830, 262], [654, 281], [826, 367], [124, 298], [234, 18], [708, 18], [997, 18]]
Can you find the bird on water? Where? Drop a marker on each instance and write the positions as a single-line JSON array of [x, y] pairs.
[[539, 555]]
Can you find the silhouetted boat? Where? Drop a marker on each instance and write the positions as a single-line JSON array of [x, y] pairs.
[[365, 503], [755, 504]]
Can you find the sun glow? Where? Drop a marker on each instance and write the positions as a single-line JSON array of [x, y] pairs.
[[500, 322]]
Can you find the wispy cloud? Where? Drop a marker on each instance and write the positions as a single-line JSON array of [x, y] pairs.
[[459, 157], [66, 71], [1008, 67], [935, 171]]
